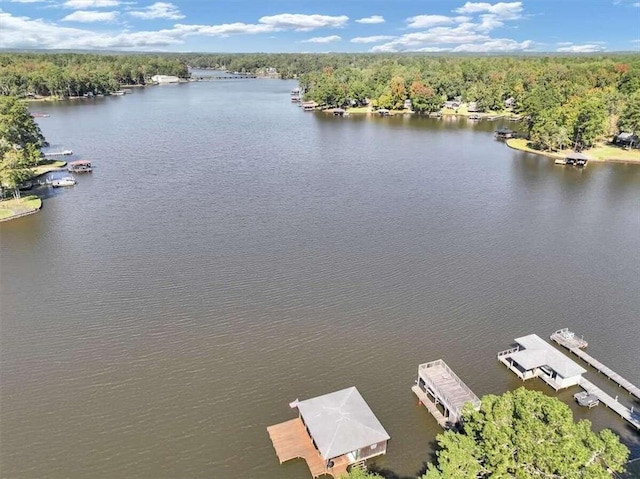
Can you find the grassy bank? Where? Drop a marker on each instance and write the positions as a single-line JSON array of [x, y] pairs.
[[13, 207], [598, 153], [47, 166]]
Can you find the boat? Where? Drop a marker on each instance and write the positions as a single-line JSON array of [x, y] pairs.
[[39, 115], [474, 117], [586, 400], [80, 166], [64, 181], [560, 161], [25, 186]]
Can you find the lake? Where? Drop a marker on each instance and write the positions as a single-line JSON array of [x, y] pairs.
[[231, 253]]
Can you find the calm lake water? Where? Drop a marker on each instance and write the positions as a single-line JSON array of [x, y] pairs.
[[231, 253]]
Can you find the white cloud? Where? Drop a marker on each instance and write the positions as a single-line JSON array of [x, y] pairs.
[[158, 10], [88, 16], [371, 20], [372, 39], [329, 39], [432, 49], [227, 29], [27, 1], [586, 48], [303, 23], [503, 10], [495, 45], [83, 4], [23, 32], [427, 21]]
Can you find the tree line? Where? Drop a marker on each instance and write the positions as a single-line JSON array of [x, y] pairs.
[[566, 100], [76, 74]]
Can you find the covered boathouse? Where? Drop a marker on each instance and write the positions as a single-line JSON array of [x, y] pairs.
[[331, 433], [534, 357]]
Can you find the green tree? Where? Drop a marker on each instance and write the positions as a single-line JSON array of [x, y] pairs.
[[20, 142], [590, 120], [525, 434], [630, 117]]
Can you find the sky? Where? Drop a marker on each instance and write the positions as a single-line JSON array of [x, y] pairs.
[[221, 26]]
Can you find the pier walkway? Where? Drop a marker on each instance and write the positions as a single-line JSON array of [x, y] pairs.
[[629, 415], [438, 381], [568, 340]]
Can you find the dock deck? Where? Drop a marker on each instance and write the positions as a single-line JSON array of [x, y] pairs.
[[291, 440], [568, 340], [438, 381], [629, 415]]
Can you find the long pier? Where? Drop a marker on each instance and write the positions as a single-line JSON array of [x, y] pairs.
[[568, 340], [629, 415]]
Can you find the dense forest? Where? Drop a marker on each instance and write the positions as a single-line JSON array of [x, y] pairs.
[[565, 100], [74, 74]]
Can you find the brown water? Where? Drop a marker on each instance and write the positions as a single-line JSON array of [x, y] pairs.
[[231, 253]]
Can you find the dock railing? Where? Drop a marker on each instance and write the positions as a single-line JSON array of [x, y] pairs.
[[475, 401], [509, 351]]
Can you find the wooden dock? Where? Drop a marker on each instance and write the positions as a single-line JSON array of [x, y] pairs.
[[629, 415], [438, 384], [568, 340], [291, 440]]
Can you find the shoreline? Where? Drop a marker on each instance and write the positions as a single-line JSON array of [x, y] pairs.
[[520, 145], [17, 208]]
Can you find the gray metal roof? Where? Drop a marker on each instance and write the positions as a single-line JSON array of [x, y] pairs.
[[538, 353], [341, 422], [577, 156]]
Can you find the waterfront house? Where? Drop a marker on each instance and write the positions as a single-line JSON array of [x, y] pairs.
[[472, 107], [510, 102], [332, 432], [383, 112], [407, 104], [504, 134], [576, 159], [627, 140], [162, 79], [452, 104], [534, 357]]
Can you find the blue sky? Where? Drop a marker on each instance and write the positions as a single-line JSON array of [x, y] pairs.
[[322, 25]]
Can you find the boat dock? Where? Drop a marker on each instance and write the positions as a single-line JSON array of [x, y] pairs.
[[437, 384], [568, 340], [629, 415], [59, 153]]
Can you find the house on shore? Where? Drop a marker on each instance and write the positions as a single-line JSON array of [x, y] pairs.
[[164, 79], [332, 432], [627, 140], [534, 357], [472, 107]]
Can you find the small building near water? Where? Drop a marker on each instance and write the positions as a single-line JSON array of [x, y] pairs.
[[161, 79], [79, 166], [331, 433], [383, 112], [338, 112], [576, 159], [309, 105], [628, 140], [504, 134], [534, 357]]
